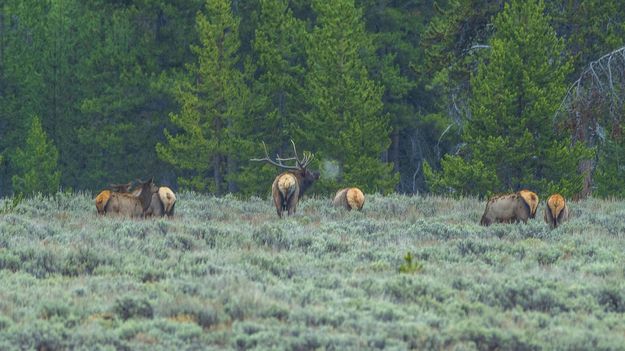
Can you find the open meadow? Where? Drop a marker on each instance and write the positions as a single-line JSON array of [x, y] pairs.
[[227, 274]]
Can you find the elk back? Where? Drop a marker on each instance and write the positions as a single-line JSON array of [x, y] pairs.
[[506, 208], [124, 204]]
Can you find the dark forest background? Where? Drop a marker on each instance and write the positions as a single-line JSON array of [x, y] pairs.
[[454, 97]]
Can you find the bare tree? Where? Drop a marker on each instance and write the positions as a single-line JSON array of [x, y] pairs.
[[594, 102], [592, 108]]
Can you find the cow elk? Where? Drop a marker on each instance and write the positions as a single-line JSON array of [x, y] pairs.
[[556, 210], [103, 197], [288, 187], [162, 203], [132, 204], [349, 198], [506, 208]]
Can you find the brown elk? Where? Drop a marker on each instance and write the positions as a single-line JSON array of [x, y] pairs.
[[506, 208], [162, 203], [132, 204], [556, 210], [103, 197], [289, 186], [349, 198]]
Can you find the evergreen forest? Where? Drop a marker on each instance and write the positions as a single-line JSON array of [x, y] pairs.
[[452, 97]]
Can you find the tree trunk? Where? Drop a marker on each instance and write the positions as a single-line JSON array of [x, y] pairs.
[[394, 154], [585, 168], [217, 176], [231, 167]]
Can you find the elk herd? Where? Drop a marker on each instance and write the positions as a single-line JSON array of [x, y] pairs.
[[144, 200], [147, 199], [521, 206]]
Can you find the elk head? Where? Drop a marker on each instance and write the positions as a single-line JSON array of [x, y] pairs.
[[120, 188], [144, 192]]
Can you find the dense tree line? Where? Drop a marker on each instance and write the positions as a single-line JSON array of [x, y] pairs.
[[455, 97]]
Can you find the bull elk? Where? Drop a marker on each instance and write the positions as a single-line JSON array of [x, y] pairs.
[[132, 204], [507, 208], [289, 186], [103, 197], [349, 198], [556, 210]]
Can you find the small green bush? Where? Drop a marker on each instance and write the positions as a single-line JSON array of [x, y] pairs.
[[132, 307], [410, 266]]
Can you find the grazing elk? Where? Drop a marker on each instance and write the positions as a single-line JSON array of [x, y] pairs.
[[506, 208], [556, 210], [349, 198], [132, 204], [168, 198], [103, 197], [162, 203], [289, 186], [531, 199]]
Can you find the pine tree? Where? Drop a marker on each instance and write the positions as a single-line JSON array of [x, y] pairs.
[[346, 120], [454, 39], [37, 164], [396, 34], [213, 97], [125, 80], [515, 94], [278, 49], [20, 79], [278, 54]]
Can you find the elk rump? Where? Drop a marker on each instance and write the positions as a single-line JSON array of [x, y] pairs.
[[556, 211], [349, 198], [103, 197], [531, 199], [162, 203]]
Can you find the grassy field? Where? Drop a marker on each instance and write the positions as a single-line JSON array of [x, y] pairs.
[[227, 274]]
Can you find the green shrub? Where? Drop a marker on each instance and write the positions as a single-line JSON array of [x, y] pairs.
[[132, 307], [409, 266]]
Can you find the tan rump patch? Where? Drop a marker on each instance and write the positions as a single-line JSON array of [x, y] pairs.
[[355, 198], [531, 199], [286, 183], [101, 200], [167, 196], [556, 204]]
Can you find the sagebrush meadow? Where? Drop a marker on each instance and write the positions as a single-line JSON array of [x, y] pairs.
[[405, 273]]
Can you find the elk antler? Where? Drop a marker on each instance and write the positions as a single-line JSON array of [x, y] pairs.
[[300, 164], [278, 159]]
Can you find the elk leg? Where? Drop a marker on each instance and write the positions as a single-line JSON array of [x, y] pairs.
[[292, 204]]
